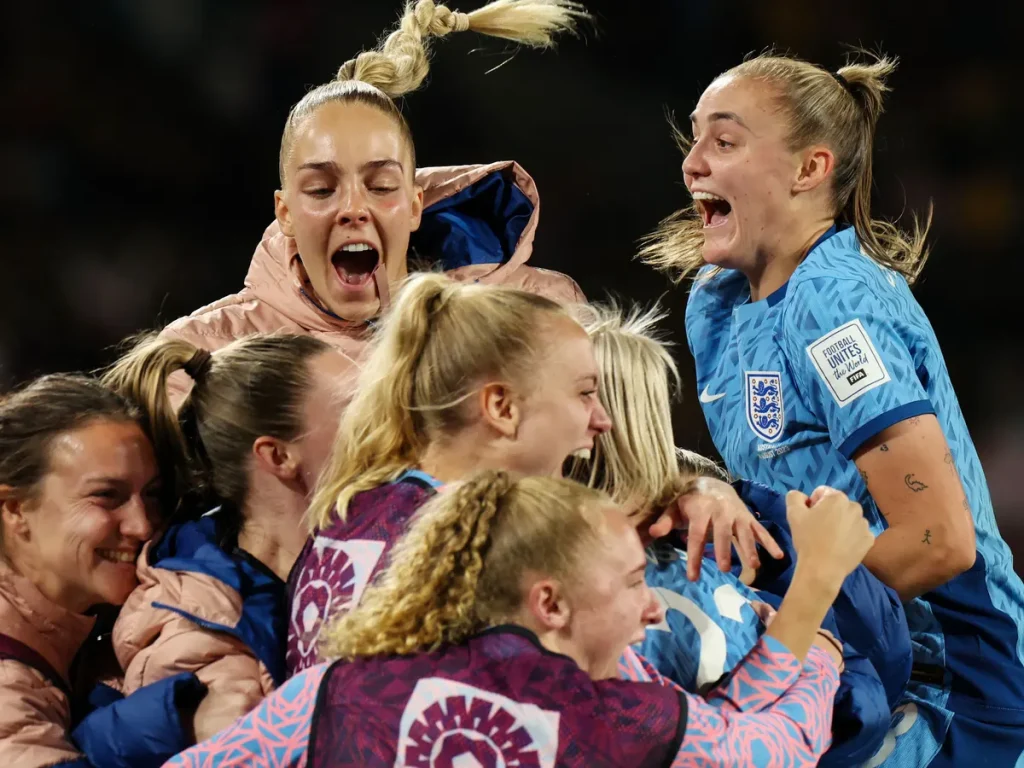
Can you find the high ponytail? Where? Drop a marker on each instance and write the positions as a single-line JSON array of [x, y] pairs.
[[400, 64], [438, 341], [460, 566], [883, 240]]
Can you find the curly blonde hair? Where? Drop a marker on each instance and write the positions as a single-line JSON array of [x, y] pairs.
[[400, 64], [839, 110], [460, 566]]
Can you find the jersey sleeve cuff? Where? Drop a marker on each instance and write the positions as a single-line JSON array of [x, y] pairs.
[[900, 413]]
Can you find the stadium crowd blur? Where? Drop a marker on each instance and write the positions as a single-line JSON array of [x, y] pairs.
[[139, 152]]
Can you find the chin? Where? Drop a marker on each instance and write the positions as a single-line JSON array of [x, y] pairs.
[[356, 311]]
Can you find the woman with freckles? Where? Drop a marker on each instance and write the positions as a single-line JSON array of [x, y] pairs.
[[817, 367]]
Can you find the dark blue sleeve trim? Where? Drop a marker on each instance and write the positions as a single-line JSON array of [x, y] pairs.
[[886, 420]]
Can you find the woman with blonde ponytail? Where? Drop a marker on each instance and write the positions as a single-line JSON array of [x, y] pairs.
[[460, 377], [816, 364], [493, 638], [353, 206], [243, 455]]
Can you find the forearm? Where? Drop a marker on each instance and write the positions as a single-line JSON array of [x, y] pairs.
[[803, 609]]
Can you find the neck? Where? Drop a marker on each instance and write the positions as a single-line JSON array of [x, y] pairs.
[[272, 529], [450, 460], [772, 270], [559, 641]]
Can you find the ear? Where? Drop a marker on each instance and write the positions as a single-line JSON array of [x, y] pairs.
[[417, 208], [547, 604], [816, 165], [284, 216], [12, 512], [499, 409], [276, 457]]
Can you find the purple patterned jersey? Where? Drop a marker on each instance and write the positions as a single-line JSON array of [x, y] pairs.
[[340, 560], [500, 699]]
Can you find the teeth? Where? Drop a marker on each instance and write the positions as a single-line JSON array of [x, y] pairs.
[[707, 196], [117, 556], [356, 247], [582, 453]]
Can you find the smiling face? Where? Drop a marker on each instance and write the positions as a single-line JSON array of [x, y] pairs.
[[560, 412], [78, 537], [741, 172], [350, 201]]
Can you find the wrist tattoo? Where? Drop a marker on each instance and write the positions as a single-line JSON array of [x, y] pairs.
[[927, 537], [915, 485]]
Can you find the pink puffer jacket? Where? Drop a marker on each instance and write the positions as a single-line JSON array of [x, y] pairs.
[[35, 714]]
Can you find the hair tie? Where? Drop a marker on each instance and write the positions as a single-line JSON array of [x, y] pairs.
[[198, 365], [843, 82], [460, 21]]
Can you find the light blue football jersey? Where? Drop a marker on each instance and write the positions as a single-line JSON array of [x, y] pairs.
[[792, 385], [709, 625]]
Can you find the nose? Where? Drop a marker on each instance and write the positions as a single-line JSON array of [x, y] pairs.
[[352, 208], [694, 164], [599, 420], [135, 522], [654, 611]]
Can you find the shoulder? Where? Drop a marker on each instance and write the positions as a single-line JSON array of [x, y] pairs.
[[839, 270], [218, 324], [28, 699], [714, 291]]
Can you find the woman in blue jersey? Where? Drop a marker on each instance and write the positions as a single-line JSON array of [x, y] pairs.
[[816, 365]]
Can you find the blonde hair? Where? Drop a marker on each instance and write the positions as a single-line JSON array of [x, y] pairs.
[[840, 110], [400, 64], [438, 341], [635, 463], [253, 387], [460, 566]]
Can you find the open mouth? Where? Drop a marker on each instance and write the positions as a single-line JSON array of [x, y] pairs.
[[714, 210], [354, 263]]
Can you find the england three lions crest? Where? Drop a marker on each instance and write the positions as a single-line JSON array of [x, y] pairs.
[[765, 413]]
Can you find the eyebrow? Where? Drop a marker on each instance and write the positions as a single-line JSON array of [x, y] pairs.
[[715, 116], [592, 378], [330, 165]]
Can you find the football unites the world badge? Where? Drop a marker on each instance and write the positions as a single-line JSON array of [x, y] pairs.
[[765, 412]]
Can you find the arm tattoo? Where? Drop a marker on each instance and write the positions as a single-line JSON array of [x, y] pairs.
[[915, 485], [863, 476], [927, 537], [884, 448]]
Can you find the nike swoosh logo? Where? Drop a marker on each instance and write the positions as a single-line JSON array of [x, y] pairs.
[[706, 398]]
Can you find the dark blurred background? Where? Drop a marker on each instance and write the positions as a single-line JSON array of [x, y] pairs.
[[139, 153]]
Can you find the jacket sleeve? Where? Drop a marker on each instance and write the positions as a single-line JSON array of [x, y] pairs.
[[767, 710], [222, 664], [34, 719], [141, 730]]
